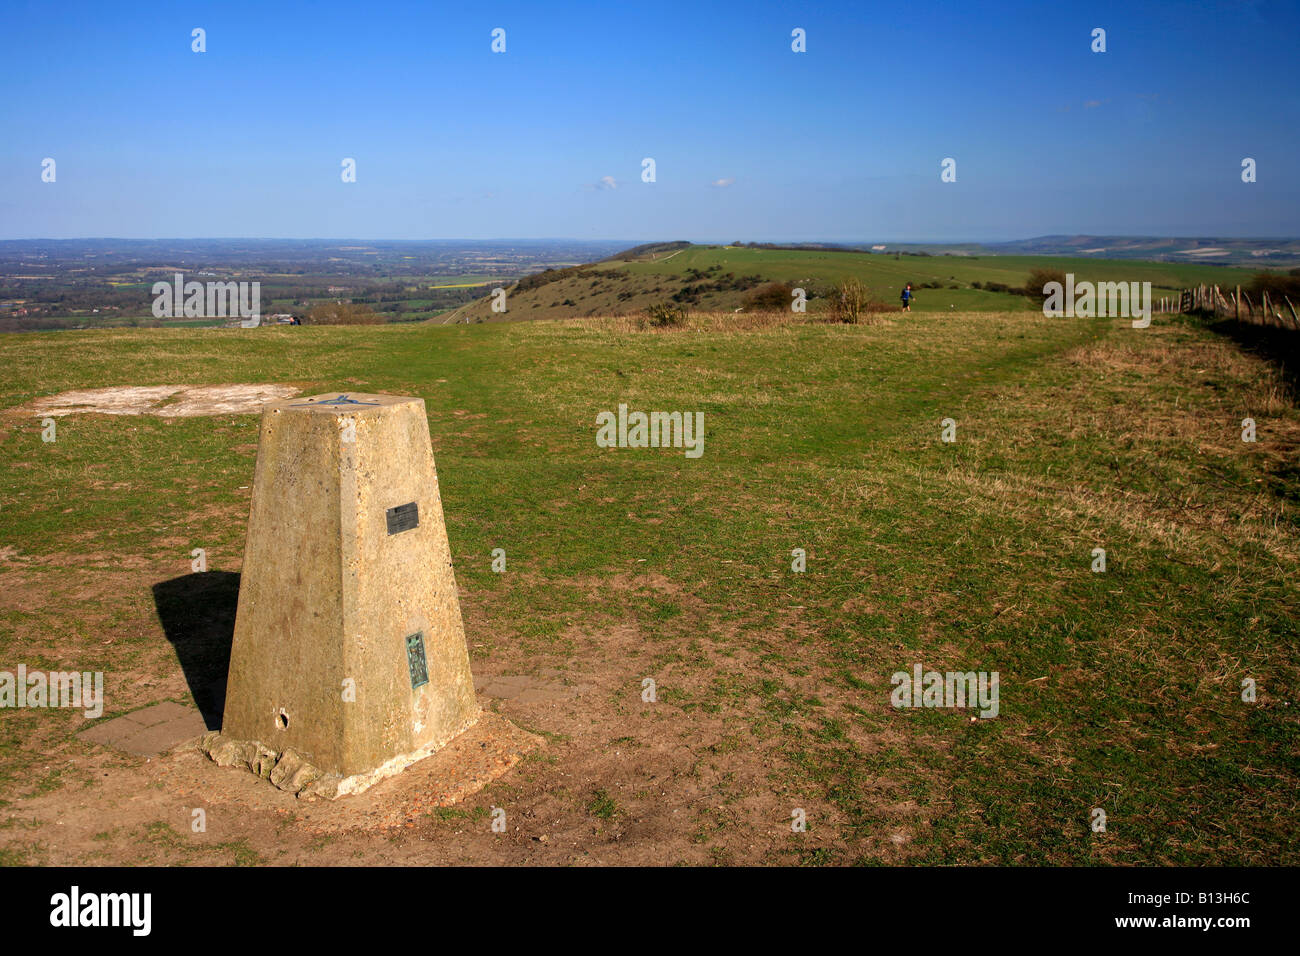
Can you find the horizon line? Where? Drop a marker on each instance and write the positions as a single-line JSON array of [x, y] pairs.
[[710, 242]]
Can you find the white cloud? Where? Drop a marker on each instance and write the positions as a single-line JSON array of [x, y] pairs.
[[722, 183]]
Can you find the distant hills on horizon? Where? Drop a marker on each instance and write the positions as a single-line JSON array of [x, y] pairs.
[[1204, 249], [1207, 250]]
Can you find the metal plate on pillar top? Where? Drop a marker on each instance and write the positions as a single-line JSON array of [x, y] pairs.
[[403, 518]]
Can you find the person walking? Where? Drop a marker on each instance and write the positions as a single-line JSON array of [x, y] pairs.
[[907, 297]]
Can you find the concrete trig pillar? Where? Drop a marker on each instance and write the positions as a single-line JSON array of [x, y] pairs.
[[349, 660]]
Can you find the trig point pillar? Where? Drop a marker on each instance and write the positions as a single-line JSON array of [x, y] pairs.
[[349, 660]]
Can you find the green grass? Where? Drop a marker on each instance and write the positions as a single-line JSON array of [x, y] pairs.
[[161, 836], [1119, 690], [885, 275], [602, 805]]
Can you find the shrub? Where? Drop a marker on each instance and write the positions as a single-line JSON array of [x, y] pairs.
[[1037, 280], [773, 297], [1276, 285], [662, 315], [848, 301]]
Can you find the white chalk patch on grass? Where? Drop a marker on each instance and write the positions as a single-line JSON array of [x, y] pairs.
[[167, 401]]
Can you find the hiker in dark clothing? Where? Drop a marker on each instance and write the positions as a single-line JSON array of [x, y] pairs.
[[907, 297]]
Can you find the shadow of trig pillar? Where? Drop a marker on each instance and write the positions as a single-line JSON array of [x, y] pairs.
[[349, 648]]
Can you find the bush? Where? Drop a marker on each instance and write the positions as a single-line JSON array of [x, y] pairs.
[[1276, 285], [848, 301], [773, 297], [1037, 280], [662, 315]]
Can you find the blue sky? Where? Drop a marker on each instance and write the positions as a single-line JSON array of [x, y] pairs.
[[751, 140]]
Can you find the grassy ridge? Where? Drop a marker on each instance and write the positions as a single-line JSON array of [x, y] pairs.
[[628, 287], [1120, 690]]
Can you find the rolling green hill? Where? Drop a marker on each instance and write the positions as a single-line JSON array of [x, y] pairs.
[[719, 278]]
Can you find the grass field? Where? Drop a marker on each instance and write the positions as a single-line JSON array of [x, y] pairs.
[[1119, 690], [628, 287]]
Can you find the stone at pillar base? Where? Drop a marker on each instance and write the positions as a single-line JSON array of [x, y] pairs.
[[485, 750]]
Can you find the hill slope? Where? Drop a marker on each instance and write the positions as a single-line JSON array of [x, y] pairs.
[[720, 278]]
